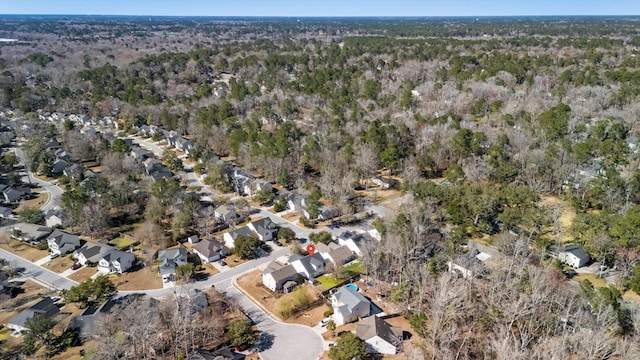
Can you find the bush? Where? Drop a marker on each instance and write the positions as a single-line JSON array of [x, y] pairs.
[[328, 313]]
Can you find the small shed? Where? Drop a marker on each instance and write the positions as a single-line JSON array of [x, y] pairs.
[[193, 239]]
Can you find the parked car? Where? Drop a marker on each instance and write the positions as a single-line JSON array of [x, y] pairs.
[[242, 347], [223, 263], [54, 255], [76, 266]]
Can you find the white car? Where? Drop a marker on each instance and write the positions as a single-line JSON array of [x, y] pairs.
[[54, 255]]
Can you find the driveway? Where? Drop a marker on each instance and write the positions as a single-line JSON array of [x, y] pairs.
[[40, 273]]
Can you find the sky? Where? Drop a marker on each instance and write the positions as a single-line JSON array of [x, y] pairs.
[[303, 8]]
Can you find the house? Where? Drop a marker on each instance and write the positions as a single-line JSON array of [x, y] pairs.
[[264, 228], [574, 256], [380, 337], [53, 218], [58, 166], [225, 353], [354, 241], [87, 324], [91, 253], [140, 154], [349, 305], [210, 250], [116, 262], [309, 267], [385, 183], [338, 255], [226, 214], [6, 212], [30, 232], [156, 170], [61, 154], [277, 277], [44, 307], [253, 186], [74, 171], [468, 265], [193, 239], [61, 242], [230, 237], [12, 195], [169, 260], [296, 202], [328, 213]]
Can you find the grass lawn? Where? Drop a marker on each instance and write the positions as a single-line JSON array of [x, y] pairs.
[[142, 279], [328, 282], [122, 242], [234, 260], [595, 280], [41, 197], [630, 295], [354, 269], [22, 249], [59, 264], [83, 274]]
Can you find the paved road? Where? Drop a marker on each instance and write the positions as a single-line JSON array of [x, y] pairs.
[[277, 339], [46, 276], [55, 192]]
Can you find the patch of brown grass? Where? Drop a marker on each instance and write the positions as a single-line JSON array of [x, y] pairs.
[[22, 249], [59, 264], [41, 197], [83, 274], [142, 279]]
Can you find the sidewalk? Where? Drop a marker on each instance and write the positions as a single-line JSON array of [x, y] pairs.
[[42, 261]]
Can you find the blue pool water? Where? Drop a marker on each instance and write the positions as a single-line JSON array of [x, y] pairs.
[[351, 286]]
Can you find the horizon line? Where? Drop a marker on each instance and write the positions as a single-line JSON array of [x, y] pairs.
[[338, 16]]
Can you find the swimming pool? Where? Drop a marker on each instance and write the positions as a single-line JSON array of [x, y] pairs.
[[353, 287]]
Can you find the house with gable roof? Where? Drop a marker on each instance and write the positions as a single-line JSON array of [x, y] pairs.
[[380, 337], [278, 277], [309, 267], [349, 305], [169, 260], [61, 242]]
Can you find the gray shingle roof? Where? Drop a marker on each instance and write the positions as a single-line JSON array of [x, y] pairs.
[[375, 326]]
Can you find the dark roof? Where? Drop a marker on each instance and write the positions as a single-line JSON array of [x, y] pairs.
[[284, 273], [210, 248], [341, 255], [578, 251], [375, 326], [45, 307], [220, 354]]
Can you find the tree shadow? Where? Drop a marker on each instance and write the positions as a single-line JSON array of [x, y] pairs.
[[265, 342]]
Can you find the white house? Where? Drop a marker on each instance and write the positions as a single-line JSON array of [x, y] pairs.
[[116, 262], [468, 265], [349, 305], [574, 256], [277, 277], [169, 260], [354, 241], [61, 242], [309, 267], [210, 250], [230, 237], [265, 229], [91, 253], [380, 337], [226, 214]]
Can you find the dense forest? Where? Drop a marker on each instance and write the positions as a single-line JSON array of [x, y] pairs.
[[483, 120]]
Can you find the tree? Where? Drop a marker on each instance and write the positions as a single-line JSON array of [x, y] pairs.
[[39, 332], [348, 347], [286, 234], [321, 237], [31, 215], [331, 326], [239, 333], [91, 291], [264, 196], [245, 246], [120, 146], [186, 272], [171, 160]]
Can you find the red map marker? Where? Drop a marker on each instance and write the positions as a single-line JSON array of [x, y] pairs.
[[311, 249]]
